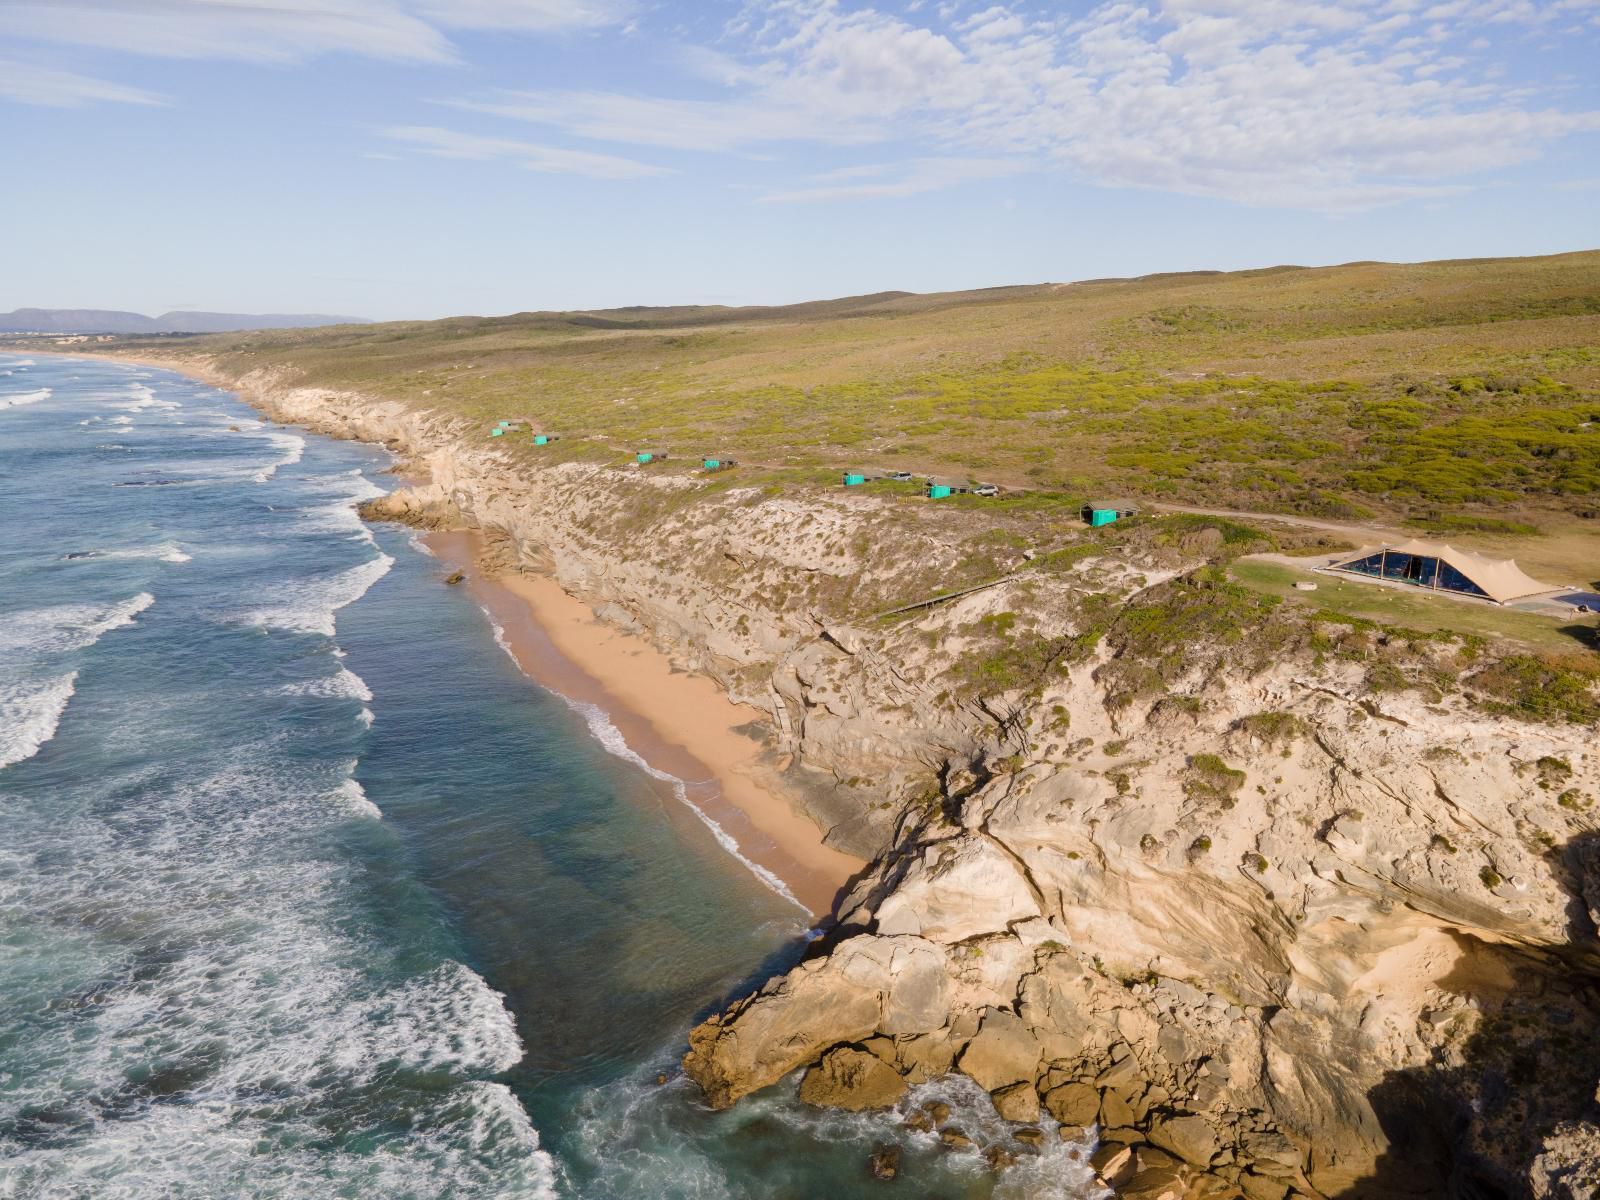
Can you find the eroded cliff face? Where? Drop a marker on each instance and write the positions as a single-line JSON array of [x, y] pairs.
[[1147, 857]]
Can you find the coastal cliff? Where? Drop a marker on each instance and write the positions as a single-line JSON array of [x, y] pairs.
[[1279, 902]]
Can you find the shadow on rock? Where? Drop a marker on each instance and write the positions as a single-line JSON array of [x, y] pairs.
[[1510, 1110]]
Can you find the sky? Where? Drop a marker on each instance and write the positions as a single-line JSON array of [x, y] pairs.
[[423, 158]]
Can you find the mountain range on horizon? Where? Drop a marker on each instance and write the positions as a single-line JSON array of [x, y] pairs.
[[98, 320]]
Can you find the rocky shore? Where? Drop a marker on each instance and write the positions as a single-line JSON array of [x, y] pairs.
[[1277, 905]]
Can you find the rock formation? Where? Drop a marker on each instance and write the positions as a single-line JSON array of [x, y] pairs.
[[1278, 904]]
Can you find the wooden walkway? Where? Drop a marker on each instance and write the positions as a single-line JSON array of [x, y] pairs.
[[940, 599]]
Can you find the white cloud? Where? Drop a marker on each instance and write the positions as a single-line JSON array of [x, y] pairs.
[[886, 180], [1330, 104], [553, 160], [292, 30], [27, 83]]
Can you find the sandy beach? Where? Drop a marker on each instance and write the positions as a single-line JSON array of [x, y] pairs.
[[679, 723]]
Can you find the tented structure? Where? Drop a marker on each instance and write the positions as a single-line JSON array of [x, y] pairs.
[[1442, 568]]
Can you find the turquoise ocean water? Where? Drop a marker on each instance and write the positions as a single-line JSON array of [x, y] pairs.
[[305, 891]]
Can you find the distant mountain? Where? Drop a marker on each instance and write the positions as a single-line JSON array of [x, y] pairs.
[[95, 320]]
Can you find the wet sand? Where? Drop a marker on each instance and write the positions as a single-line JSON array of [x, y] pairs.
[[680, 724]]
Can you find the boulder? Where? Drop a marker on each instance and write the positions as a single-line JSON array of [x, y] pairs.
[[954, 1139], [1019, 1102], [884, 1163], [1004, 1052], [1272, 1153], [1259, 1187], [1115, 1110], [1113, 1163], [852, 1079], [999, 1158], [1123, 1074], [1190, 1138], [1213, 1187], [926, 1056], [1074, 1104], [816, 1006], [1157, 1183]]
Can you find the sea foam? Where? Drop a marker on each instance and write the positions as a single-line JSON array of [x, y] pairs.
[[290, 447], [310, 605], [18, 399], [64, 627], [29, 715]]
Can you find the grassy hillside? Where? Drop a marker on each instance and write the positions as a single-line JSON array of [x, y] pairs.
[[1423, 391]]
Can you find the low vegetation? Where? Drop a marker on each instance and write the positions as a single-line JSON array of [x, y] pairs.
[[1332, 392]]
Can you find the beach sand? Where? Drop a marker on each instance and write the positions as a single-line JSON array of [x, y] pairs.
[[679, 723]]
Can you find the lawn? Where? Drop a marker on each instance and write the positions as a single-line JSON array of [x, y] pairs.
[[1410, 610]]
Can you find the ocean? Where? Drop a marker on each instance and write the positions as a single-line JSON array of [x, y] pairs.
[[306, 891]]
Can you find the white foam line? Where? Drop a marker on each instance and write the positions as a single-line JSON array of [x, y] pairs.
[[293, 446], [29, 716], [18, 399], [353, 794], [604, 731]]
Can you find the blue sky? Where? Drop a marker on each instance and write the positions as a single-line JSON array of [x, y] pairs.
[[420, 158]]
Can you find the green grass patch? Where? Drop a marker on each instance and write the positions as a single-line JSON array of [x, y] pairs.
[[1387, 606]]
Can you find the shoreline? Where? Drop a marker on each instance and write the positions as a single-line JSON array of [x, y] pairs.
[[679, 725]]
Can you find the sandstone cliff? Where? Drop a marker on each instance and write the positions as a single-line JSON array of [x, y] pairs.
[[1286, 903]]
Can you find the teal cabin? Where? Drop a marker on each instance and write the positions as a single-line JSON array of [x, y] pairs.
[[497, 432], [644, 457], [542, 439], [711, 464], [1104, 512], [854, 479], [938, 491]]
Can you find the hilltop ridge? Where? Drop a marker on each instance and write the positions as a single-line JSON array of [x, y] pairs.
[[113, 321]]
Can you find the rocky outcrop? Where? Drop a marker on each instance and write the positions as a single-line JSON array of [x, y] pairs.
[[1144, 863]]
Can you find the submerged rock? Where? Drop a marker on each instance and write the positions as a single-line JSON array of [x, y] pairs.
[[884, 1163]]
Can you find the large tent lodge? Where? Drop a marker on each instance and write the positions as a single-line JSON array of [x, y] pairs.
[[1442, 568]]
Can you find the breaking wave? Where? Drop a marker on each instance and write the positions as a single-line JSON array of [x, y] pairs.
[[30, 714], [311, 605], [292, 447], [64, 627], [18, 399]]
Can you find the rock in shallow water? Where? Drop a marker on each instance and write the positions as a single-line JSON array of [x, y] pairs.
[[885, 1162]]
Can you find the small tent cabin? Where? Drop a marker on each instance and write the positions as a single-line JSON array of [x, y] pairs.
[[544, 439], [1104, 512], [940, 489], [713, 463], [645, 457], [854, 479], [1441, 568]]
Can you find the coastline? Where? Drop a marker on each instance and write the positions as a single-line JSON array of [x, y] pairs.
[[683, 728], [680, 725]]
